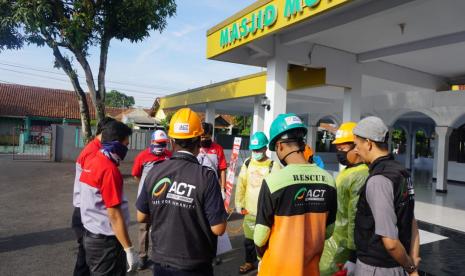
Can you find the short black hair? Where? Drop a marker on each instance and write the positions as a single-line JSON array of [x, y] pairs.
[[188, 144], [115, 131], [295, 136], [207, 128], [102, 123], [382, 145]]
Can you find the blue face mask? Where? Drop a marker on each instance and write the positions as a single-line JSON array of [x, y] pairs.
[[257, 155], [116, 147]]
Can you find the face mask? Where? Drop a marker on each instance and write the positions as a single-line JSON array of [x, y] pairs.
[[283, 161], [257, 155], [158, 149], [117, 148], [206, 143], [342, 158]]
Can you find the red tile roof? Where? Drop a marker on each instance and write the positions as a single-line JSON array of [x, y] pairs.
[[21, 100]]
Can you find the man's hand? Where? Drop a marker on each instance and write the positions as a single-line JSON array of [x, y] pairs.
[[350, 267], [132, 258], [416, 261]]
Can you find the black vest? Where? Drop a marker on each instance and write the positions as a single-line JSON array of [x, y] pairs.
[[370, 248], [181, 233]]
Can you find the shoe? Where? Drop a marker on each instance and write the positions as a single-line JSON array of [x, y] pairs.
[[143, 264]]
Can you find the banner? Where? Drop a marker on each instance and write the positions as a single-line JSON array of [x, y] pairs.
[[231, 175]]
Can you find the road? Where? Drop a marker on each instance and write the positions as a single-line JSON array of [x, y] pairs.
[[35, 212]]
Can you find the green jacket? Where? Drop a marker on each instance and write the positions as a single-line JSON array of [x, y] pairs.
[[338, 248]]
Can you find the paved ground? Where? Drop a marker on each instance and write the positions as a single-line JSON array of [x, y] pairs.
[[36, 239], [35, 212]]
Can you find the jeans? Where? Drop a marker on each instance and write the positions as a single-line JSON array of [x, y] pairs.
[[104, 255], [250, 253]]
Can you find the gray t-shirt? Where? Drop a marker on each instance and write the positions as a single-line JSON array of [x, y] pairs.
[[380, 197]]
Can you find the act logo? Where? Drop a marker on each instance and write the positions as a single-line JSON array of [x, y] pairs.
[[160, 187], [181, 191], [300, 194], [178, 191], [307, 194]]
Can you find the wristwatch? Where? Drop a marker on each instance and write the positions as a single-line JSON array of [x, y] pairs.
[[410, 268]]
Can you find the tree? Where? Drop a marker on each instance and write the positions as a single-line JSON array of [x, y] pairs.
[[71, 28], [117, 99], [244, 124], [166, 122]]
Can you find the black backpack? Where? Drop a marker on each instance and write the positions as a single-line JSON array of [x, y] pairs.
[[247, 163]]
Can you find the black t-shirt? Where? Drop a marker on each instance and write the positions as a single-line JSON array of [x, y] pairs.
[[183, 199]]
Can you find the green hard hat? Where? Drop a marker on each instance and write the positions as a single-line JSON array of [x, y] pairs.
[[283, 123], [258, 141]]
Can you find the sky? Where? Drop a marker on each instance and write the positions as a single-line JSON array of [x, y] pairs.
[[165, 63]]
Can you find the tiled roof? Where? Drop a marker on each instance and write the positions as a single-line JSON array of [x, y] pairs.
[[21, 100]]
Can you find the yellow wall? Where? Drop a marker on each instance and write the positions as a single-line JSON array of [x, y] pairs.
[[247, 86], [214, 47]]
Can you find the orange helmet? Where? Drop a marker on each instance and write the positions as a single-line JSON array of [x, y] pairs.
[[308, 152], [185, 124], [345, 133]]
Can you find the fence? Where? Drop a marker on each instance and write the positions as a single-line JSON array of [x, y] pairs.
[[36, 145]]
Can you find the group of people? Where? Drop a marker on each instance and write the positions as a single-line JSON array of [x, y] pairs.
[[298, 220]]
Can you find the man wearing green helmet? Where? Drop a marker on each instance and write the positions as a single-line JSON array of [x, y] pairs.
[[296, 206], [250, 179]]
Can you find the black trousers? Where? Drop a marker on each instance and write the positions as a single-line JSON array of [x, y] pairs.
[[165, 270], [104, 255], [250, 253], [80, 268]]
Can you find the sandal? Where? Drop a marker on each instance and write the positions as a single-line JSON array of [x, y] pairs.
[[246, 268]]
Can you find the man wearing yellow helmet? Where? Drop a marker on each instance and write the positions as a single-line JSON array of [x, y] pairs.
[[181, 199], [340, 248]]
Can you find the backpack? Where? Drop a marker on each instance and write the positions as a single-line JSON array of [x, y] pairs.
[[247, 163]]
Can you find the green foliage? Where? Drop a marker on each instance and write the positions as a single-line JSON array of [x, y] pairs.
[[117, 99], [166, 122], [71, 28], [398, 136], [80, 24], [10, 37], [423, 145], [243, 124]]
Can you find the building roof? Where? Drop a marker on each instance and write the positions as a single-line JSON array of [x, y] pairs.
[[137, 116], [22, 100], [221, 120]]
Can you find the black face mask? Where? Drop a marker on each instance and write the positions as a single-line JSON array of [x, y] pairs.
[[206, 143], [283, 161], [342, 158]]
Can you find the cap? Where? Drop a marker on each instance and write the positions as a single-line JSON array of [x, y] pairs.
[[159, 136], [372, 128]]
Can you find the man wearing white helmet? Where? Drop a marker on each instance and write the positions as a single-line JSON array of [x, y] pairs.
[[143, 163]]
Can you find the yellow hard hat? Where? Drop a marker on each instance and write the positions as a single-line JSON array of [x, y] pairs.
[[185, 124], [345, 133], [308, 152]]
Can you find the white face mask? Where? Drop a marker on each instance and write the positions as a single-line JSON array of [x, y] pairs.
[[257, 155]]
